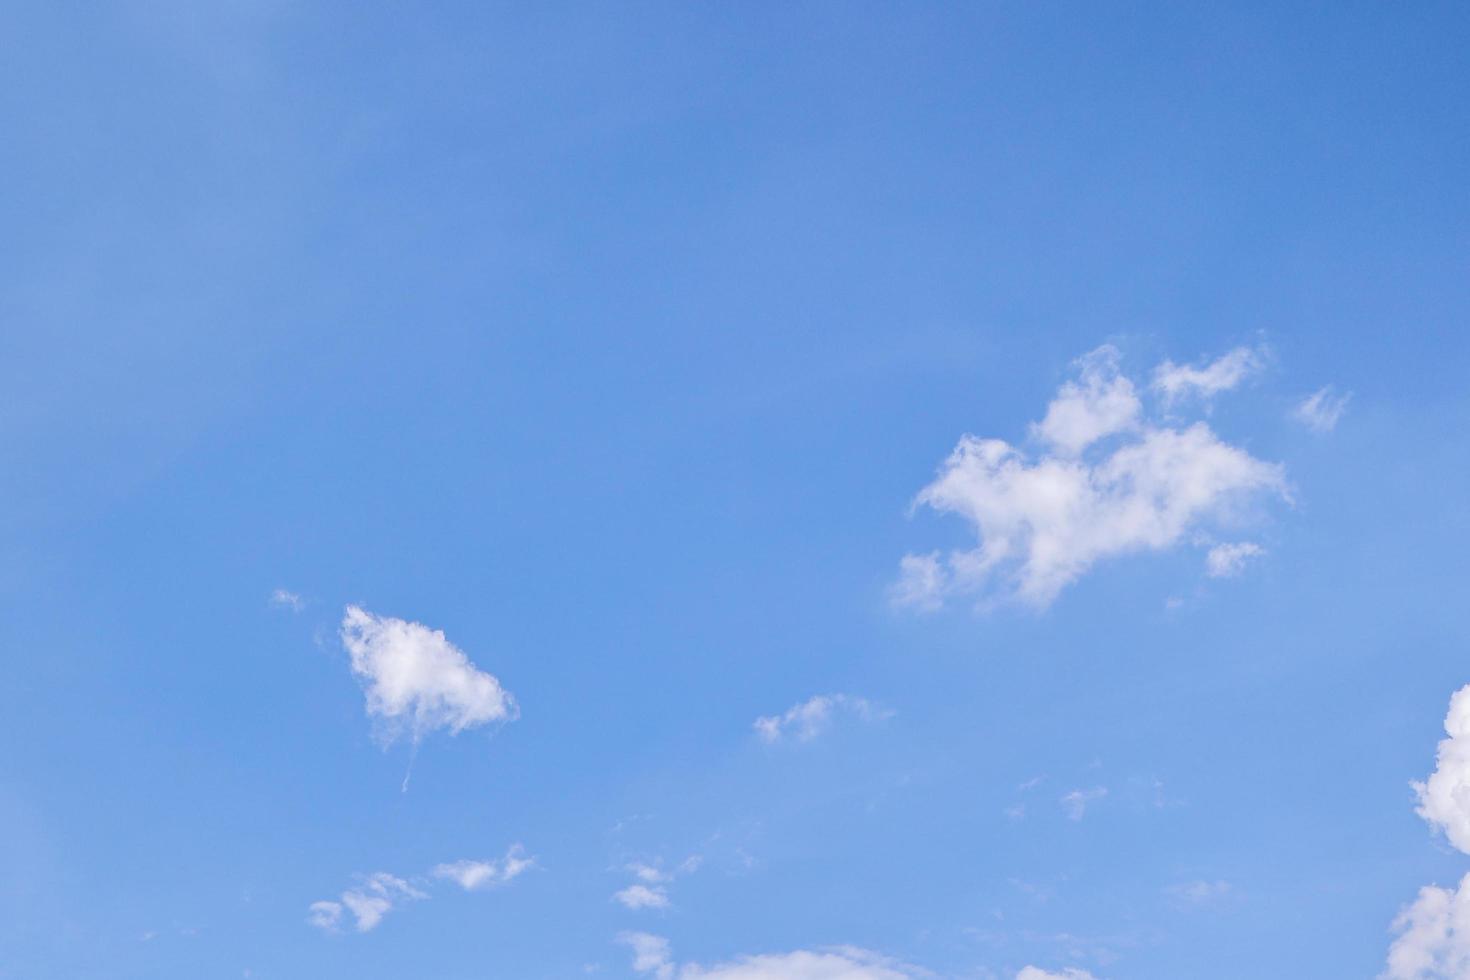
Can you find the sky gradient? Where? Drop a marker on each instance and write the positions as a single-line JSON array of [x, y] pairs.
[[765, 492]]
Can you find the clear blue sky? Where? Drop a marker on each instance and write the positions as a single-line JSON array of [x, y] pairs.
[[618, 343]]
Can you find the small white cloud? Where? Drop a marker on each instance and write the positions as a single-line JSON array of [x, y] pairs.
[[1433, 941], [650, 954], [640, 896], [1321, 410], [1077, 801], [922, 583], [284, 599], [474, 875], [812, 717], [1067, 973], [416, 681], [1043, 523], [1227, 560], [1444, 798], [1198, 892], [324, 915], [1100, 403], [1176, 381]]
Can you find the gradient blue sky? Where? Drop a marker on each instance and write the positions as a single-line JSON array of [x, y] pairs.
[[616, 341]]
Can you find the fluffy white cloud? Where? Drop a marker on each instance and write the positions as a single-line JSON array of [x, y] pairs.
[[810, 718], [1100, 403], [1069, 973], [368, 902], [1433, 941], [1226, 560], [1176, 381], [651, 955], [473, 875], [1044, 522], [1444, 798], [416, 681], [1077, 801], [1321, 410]]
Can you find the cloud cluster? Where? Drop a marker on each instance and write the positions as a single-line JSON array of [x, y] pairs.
[[1069, 973], [1106, 482], [1433, 933], [651, 955], [378, 894], [367, 903], [812, 717], [416, 681], [650, 887]]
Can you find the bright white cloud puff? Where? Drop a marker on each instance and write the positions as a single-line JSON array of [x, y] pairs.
[[812, 717], [1444, 798], [1433, 936], [1107, 482], [1228, 560], [416, 681]]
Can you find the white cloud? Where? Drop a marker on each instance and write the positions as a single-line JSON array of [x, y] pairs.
[[1077, 801], [651, 955], [368, 903], [1444, 798], [473, 875], [1043, 523], [1103, 403], [379, 893], [1321, 410], [1069, 973], [810, 718], [416, 680], [1226, 560], [643, 897], [1176, 381], [1433, 941], [287, 600], [324, 915]]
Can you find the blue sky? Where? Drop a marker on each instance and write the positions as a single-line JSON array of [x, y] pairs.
[[609, 362]]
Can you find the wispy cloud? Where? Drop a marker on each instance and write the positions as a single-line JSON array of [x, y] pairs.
[[285, 599], [814, 716], [1107, 482], [1228, 560], [375, 895], [653, 956], [1078, 800], [1321, 410], [474, 875], [1177, 381]]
